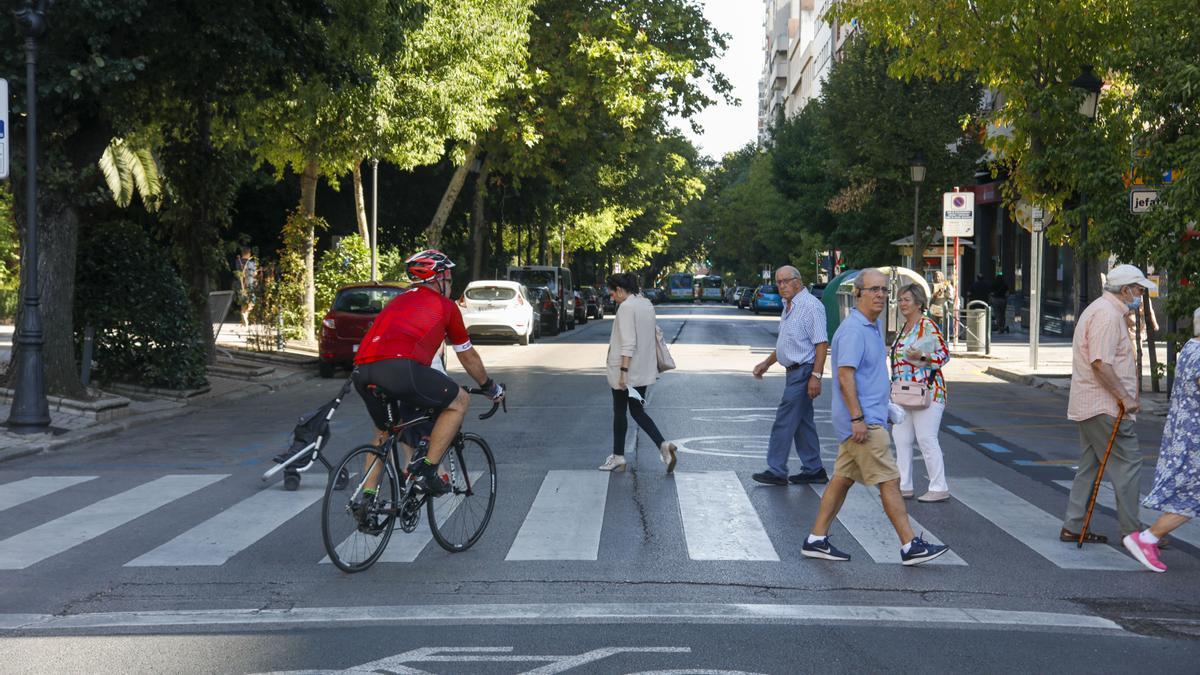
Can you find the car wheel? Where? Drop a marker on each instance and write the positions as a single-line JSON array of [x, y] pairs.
[[524, 339], [755, 309], [556, 328], [326, 368], [584, 320]]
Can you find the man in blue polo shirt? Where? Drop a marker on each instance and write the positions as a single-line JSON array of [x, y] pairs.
[[861, 390]]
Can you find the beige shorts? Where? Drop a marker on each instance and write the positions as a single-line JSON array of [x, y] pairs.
[[869, 462]]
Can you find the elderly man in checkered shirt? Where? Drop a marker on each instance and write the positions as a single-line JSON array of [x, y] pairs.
[[800, 348]]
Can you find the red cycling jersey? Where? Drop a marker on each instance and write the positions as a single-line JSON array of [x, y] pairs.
[[413, 326]]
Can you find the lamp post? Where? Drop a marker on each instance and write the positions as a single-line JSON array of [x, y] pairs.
[[374, 220], [30, 411], [1090, 85], [916, 168]]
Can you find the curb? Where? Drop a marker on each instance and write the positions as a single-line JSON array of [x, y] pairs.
[[113, 428]]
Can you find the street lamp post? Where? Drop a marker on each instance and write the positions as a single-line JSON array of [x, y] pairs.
[[916, 167], [30, 411], [374, 220], [1091, 86]]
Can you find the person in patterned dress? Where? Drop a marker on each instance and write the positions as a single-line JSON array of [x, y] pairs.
[[918, 356], [1176, 490]]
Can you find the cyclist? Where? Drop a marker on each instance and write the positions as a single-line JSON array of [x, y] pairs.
[[396, 353]]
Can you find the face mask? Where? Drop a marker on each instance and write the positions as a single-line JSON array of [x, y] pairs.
[[1135, 303]]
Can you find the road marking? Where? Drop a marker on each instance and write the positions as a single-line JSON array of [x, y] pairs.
[[226, 534], [1189, 531], [719, 522], [863, 516], [994, 447], [1035, 528], [565, 520], [961, 431], [31, 546], [565, 613], [21, 491], [555, 663]]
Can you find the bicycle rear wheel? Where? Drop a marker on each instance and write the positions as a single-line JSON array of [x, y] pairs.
[[458, 519], [356, 528]]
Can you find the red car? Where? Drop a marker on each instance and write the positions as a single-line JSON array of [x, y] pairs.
[[354, 310]]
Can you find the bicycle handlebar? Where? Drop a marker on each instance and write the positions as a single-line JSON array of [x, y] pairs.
[[495, 404]]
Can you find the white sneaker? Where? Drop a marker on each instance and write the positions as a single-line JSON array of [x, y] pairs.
[[613, 463], [667, 454]]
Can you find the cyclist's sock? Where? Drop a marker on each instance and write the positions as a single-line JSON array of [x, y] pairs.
[[370, 492]]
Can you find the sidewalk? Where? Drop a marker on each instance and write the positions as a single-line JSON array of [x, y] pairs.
[[237, 373], [1009, 360]]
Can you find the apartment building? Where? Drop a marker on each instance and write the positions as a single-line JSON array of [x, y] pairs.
[[799, 50]]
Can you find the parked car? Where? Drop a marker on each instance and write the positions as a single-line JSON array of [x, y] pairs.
[[548, 310], [492, 308], [735, 294], [593, 307], [743, 300], [607, 304], [766, 299], [354, 310], [654, 295], [557, 279], [581, 315]]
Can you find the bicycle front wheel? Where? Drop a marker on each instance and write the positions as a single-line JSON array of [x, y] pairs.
[[356, 526], [458, 519]]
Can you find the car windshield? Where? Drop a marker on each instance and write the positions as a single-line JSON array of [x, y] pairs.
[[534, 278], [491, 293], [768, 289], [364, 300]]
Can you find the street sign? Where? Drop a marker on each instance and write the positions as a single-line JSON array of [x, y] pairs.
[[1141, 200], [958, 214], [3, 128], [1039, 219]]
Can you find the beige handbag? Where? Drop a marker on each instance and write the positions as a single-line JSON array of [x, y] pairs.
[[910, 394], [663, 355]]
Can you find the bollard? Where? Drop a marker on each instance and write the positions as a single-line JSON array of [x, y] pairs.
[[85, 368]]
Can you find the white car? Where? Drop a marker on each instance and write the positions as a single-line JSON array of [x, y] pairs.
[[495, 308]]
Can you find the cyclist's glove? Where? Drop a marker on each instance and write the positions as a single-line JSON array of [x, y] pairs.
[[494, 390]]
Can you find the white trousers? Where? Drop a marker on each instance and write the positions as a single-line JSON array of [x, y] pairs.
[[921, 427]]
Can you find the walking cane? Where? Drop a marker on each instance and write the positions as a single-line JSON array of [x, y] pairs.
[[1100, 474]]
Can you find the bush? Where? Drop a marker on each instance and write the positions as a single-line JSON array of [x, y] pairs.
[[348, 262], [127, 290]]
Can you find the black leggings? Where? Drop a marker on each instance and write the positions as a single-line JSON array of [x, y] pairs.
[[621, 401]]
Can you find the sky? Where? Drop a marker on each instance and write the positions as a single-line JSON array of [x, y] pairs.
[[726, 127]]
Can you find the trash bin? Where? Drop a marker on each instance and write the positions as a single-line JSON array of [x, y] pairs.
[[977, 326]]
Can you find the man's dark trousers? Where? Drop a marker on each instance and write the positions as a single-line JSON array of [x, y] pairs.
[[794, 423]]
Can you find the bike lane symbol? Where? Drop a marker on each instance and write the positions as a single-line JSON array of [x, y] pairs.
[[397, 663]]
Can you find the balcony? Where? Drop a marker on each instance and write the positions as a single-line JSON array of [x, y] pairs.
[[781, 75]]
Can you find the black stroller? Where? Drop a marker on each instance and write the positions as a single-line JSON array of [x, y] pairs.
[[309, 438]]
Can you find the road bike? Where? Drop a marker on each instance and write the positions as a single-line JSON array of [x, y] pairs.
[[356, 525]]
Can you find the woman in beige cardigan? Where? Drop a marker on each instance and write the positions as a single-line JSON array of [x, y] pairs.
[[632, 363]]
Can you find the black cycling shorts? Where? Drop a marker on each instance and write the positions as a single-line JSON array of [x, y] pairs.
[[407, 382]]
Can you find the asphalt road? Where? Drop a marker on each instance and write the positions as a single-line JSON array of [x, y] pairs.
[[162, 550]]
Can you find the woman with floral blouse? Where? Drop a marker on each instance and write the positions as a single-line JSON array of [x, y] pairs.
[[918, 355]]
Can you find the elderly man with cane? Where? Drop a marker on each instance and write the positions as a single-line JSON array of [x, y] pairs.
[[1104, 401]]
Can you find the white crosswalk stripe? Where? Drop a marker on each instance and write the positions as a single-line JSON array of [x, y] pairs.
[[863, 516], [32, 546], [1188, 532], [719, 522], [223, 536], [565, 520], [1035, 528], [21, 491]]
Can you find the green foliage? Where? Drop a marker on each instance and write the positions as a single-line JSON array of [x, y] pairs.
[[348, 262], [10, 243], [283, 302], [145, 330]]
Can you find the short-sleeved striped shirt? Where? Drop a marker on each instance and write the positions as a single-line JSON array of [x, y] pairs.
[[801, 329]]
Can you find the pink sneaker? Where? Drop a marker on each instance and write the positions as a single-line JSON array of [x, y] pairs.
[[1147, 554]]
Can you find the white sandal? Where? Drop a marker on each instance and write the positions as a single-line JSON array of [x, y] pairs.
[[667, 454], [613, 463]]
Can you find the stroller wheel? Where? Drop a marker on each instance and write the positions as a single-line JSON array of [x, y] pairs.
[[343, 477], [291, 481]]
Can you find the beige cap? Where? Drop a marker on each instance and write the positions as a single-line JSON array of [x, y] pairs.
[[1123, 275]]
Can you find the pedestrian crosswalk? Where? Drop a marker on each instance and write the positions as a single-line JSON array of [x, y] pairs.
[[720, 516]]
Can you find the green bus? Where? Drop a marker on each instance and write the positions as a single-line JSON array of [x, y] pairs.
[[679, 287]]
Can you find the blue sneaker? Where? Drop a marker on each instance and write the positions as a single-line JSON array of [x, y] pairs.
[[822, 549], [921, 552]]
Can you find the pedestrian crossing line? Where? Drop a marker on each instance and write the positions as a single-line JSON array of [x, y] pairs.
[[719, 522], [1188, 532], [961, 431], [21, 491], [226, 534], [565, 520], [1035, 528], [863, 516], [404, 547], [32, 546]]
